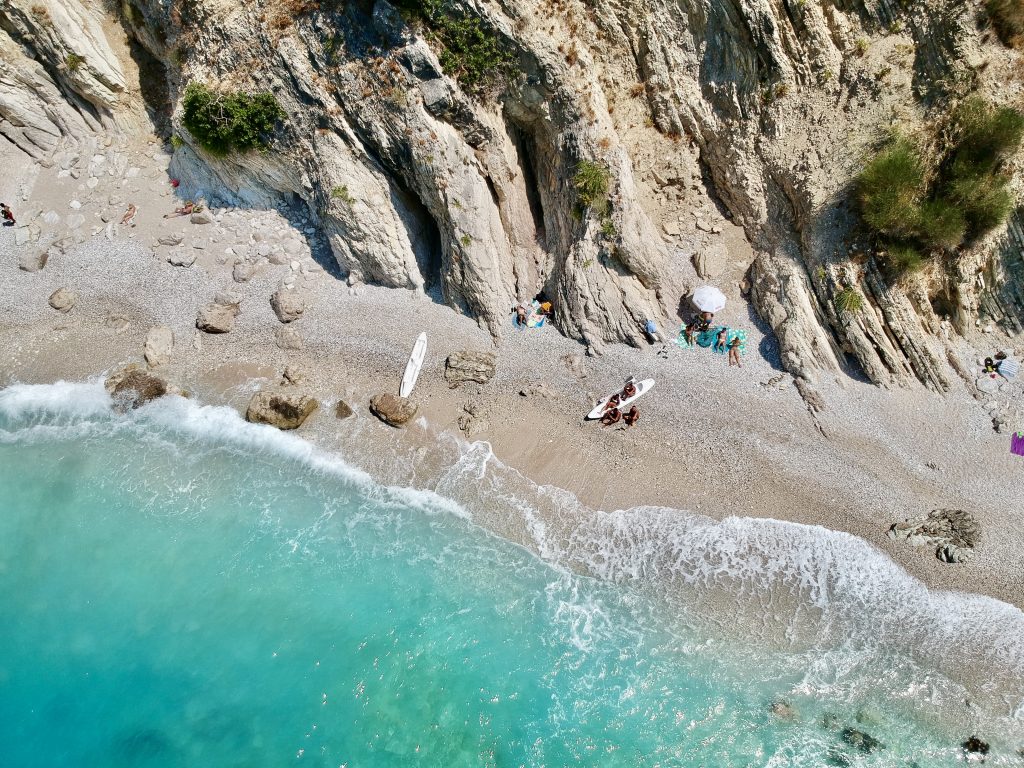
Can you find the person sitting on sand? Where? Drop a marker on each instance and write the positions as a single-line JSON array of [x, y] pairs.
[[699, 324], [521, 315], [129, 216], [186, 210], [8, 215], [614, 416], [734, 353], [632, 416], [613, 402], [629, 390]]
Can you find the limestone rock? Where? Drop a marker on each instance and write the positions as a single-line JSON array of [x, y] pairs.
[[861, 740], [989, 385], [217, 317], [343, 410], [293, 375], [280, 409], [392, 409], [172, 239], [33, 261], [132, 388], [159, 343], [288, 338], [288, 304], [63, 299], [469, 366], [711, 261], [953, 532], [182, 258], [243, 271], [202, 217]]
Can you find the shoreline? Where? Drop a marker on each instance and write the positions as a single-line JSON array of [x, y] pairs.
[[712, 440]]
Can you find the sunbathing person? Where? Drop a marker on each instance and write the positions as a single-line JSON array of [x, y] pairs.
[[186, 210], [734, 353], [521, 315], [629, 390], [129, 216], [632, 416], [613, 402], [614, 416]]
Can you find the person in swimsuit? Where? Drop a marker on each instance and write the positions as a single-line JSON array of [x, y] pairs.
[[7, 214], [734, 353], [629, 390], [187, 210], [614, 416], [632, 416], [613, 402]]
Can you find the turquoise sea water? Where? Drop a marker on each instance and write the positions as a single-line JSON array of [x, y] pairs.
[[179, 588]]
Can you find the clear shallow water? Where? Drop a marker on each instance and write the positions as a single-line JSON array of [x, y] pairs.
[[180, 588]]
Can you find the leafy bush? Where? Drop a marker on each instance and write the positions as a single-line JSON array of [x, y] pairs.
[[591, 184], [925, 206], [1008, 20], [342, 193], [73, 62], [608, 228], [230, 122], [849, 301], [890, 187], [470, 52]]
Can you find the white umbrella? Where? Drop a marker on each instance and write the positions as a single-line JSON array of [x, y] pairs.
[[709, 299]]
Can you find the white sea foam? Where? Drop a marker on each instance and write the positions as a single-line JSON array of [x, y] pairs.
[[816, 591]]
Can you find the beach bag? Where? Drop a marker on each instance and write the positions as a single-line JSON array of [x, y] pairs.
[[1017, 443], [1008, 368]]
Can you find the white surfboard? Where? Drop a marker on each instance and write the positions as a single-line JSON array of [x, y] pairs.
[[412, 368], [642, 388]]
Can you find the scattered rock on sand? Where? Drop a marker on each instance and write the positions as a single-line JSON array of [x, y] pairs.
[[280, 409], [288, 304], [861, 740], [202, 217], [172, 239], [33, 261], [293, 375], [987, 384], [953, 532], [576, 365], [159, 343], [218, 317], [243, 271], [182, 258], [392, 409], [63, 299], [469, 366], [289, 338], [132, 388], [343, 410]]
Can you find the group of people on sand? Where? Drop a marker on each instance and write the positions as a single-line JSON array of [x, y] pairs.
[[701, 332], [613, 412], [534, 314]]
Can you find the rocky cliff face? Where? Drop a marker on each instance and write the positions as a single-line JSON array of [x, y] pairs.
[[754, 111]]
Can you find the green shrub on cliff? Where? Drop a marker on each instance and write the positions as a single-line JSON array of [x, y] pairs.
[[591, 184], [919, 205], [230, 122], [1008, 20], [848, 301], [470, 51]]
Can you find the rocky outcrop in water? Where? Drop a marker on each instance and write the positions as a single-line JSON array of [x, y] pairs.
[[132, 388], [284, 410], [393, 410], [689, 114]]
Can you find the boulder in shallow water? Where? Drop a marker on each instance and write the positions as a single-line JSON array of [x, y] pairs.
[[343, 410], [975, 746], [392, 409], [783, 710], [861, 740], [280, 409], [132, 388]]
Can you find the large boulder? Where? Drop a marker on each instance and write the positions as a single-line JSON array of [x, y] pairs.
[[217, 317], [288, 304], [33, 261], [63, 300], [469, 366], [288, 338], [159, 343], [284, 410], [953, 532], [132, 387], [392, 409]]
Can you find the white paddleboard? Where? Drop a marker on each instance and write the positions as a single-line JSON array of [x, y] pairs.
[[412, 368], [642, 388]]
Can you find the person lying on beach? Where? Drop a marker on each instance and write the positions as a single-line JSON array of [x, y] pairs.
[[721, 340], [185, 210], [734, 353], [8, 215], [129, 216], [613, 402], [614, 416], [629, 390], [521, 314], [632, 416]]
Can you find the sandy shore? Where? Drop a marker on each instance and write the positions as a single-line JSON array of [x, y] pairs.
[[714, 440]]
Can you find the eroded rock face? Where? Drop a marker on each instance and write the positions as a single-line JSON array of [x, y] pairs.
[[469, 366], [953, 532], [284, 410], [392, 409]]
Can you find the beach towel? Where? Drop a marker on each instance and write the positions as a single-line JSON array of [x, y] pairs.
[[730, 334], [1008, 368], [533, 320], [710, 336], [681, 340], [1017, 443]]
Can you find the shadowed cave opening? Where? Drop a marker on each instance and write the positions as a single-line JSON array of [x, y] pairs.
[[424, 236]]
